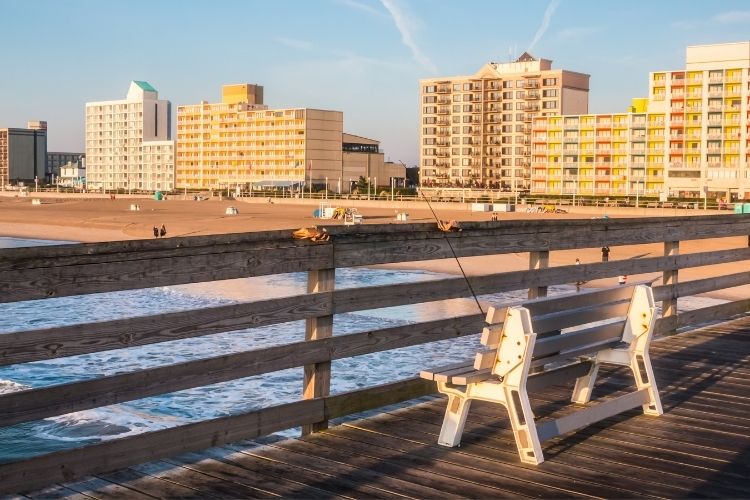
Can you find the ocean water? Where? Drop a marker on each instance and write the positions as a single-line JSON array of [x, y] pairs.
[[233, 397]]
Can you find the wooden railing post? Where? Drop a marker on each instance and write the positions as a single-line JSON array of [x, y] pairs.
[[538, 260], [317, 382], [669, 277]]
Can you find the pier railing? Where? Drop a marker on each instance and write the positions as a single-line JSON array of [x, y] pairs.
[[48, 272]]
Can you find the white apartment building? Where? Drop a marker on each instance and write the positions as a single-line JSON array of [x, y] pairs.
[[128, 142]]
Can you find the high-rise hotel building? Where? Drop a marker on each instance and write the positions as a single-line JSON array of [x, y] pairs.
[[476, 130], [128, 144], [239, 142], [690, 137]]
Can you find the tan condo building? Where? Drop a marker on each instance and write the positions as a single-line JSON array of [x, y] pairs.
[[689, 138], [240, 142], [475, 131]]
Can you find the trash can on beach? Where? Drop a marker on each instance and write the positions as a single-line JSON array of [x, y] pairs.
[[738, 208], [746, 208]]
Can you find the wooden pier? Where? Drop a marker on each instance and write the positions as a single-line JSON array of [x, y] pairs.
[[698, 448]]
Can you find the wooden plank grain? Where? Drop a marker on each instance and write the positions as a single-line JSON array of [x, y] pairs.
[[60, 280], [40, 403], [84, 338], [107, 456]]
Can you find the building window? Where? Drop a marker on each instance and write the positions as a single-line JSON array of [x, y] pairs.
[[549, 93], [549, 81]]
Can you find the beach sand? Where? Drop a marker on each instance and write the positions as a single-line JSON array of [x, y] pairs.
[[98, 219]]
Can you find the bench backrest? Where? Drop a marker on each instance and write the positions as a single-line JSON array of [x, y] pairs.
[[592, 321]]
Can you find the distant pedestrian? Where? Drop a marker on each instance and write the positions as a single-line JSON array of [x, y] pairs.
[[622, 279], [605, 253], [578, 283], [156, 232], [163, 231]]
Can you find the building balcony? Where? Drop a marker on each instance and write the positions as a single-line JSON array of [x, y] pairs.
[[443, 89], [716, 79], [443, 111], [444, 100]]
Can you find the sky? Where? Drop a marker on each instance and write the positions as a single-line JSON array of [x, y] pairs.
[[362, 57]]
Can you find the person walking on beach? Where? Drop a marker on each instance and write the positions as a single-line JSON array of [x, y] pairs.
[[163, 231], [605, 253], [156, 232], [578, 283]]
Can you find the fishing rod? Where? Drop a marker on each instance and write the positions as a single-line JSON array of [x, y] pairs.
[[447, 240]]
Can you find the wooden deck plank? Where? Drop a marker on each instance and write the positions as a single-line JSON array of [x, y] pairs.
[[504, 455], [92, 487], [153, 486], [205, 485], [390, 474], [357, 483], [269, 484], [463, 483], [55, 492], [581, 455], [403, 466], [698, 448], [233, 467]]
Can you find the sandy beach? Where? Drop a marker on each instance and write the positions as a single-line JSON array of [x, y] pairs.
[[102, 219]]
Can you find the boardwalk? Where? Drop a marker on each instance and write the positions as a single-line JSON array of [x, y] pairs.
[[700, 447]]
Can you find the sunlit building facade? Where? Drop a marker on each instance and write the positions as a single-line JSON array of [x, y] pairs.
[[117, 133], [689, 138], [475, 131], [240, 142]]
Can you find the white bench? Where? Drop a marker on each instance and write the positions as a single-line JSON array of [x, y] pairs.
[[548, 341]]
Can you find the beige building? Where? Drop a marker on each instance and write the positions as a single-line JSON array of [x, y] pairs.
[[116, 134], [362, 158], [689, 138], [476, 130], [240, 142]]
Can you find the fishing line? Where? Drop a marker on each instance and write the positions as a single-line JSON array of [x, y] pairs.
[[447, 240]]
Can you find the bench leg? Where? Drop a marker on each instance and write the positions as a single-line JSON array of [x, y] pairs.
[[523, 425], [585, 386], [644, 379], [454, 420]]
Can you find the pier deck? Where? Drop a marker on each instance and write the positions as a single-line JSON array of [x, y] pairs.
[[700, 447]]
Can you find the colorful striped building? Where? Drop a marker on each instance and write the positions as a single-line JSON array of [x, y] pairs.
[[689, 138]]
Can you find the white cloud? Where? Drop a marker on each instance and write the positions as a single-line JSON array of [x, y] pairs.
[[295, 44], [684, 24], [406, 26], [545, 24], [361, 6], [732, 17]]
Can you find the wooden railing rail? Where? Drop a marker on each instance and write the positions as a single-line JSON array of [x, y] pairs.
[[34, 273], [45, 272]]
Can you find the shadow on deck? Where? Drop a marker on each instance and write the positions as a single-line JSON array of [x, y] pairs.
[[700, 447]]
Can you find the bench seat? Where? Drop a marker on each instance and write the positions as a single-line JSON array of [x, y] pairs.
[[553, 341]]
